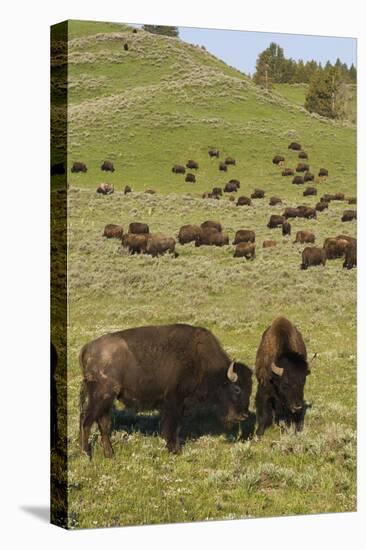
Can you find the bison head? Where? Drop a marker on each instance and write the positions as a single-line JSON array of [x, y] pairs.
[[288, 379], [234, 394]]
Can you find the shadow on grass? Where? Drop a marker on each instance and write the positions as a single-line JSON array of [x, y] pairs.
[[200, 423]]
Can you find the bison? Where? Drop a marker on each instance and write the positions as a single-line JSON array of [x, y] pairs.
[[302, 155], [310, 191], [138, 228], [349, 215], [304, 236], [214, 153], [125, 47], [295, 146], [298, 180], [320, 206], [286, 228], [352, 200], [166, 367], [275, 221], [223, 167], [189, 233], [178, 169], [79, 167], [135, 243], [230, 160], [245, 250], [291, 212], [105, 188], [335, 247], [350, 257], [313, 256], [327, 198], [192, 165], [150, 191], [243, 201], [190, 178], [281, 368], [217, 191], [212, 224], [107, 166], [309, 213], [302, 167], [158, 244], [323, 173], [278, 160], [257, 194], [211, 237], [308, 177], [274, 200], [127, 189], [338, 196], [269, 243], [113, 231], [244, 236], [288, 172]]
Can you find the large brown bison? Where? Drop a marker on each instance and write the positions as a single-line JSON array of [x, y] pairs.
[[302, 167], [79, 167], [158, 244], [107, 166], [323, 173], [286, 228], [281, 368], [349, 215], [244, 236], [298, 180], [211, 237], [236, 182], [258, 194], [168, 368], [243, 201], [278, 160], [135, 243], [290, 212], [212, 224], [313, 256], [275, 221], [230, 188], [105, 188], [214, 153], [338, 196], [288, 172], [304, 236], [310, 191], [334, 247], [190, 178], [269, 243], [178, 169], [188, 233], [274, 200], [113, 231], [245, 250], [308, 212], [138, 228], [192, 165], [350, 257], [223, 167], [295, 146], [230, 160]]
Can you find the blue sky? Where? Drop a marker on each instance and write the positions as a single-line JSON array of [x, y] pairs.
[[241, 48]]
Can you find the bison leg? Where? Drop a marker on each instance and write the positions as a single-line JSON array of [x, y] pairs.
[[170, 425], [264, 411], [104, 424]]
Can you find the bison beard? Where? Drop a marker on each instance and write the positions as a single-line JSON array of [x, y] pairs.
[[168, 368]]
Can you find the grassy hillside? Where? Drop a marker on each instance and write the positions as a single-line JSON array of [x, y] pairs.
[[159, 103]]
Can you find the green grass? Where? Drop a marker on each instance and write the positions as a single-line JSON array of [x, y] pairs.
[[162, 103]]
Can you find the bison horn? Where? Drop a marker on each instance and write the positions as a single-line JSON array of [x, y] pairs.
[[232, 376], [276, 370]]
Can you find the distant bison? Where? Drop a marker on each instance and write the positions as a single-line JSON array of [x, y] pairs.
[[230, 160], [274, 200], [352, 200], [192, 165], [304, 236], [212, 237], [214, 153], [188, 233], [278, 160], [308, 177], [286, 228], [107, 166], [211, 223], [323, 172], [309, 213], [269, 243], [244, 236], [125, 47], [275, 221], [230, 188], [288, 172], [113, 231], [217, 191], [338, 196], [245, 250], [257, 194], [150, 191], [297, 180], [207, 195], [243, 201], [334, 247], [78, 167], [190, 178], [295, 146], [138, 228], [135, 243], [350, 258], [320, 206], [178, 169], [127, 189], [223, 167], [302, 167], [303, 155], [310, 191], [313, 256], [158, 244], [236, 182], [105, 188], [349, 215]]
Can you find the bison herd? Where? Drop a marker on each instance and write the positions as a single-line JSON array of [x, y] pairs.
[[188, 366]]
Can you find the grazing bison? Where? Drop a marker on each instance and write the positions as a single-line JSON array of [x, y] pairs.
[[107, 166], [303, 155], [308, 212], [189, 233], [105, 188], [135, 243], [323, 173], [211, 237], [125, 47], [304, 236], [79, 167], [302, 167], [335, 247], [192, 165], [230, 160], [338, 196], [288, 172], [178, 169], [166, 367], [243, 201], [138, 228], [320, 206], [297, 180], [127, 189], [214, 153], [244, 236], [286, 228], [291, 212], [274, 200], [223, 167], [327, 198], [158, 244], [349, 215], [352, 200], [245, 250], [310, 191], [113, 231], [257, 194], [278, 160], [217, 191], [350, 257], [212, 224], [269, 243], [275, 221], [313, 256], [58, 169], [236, 182], [230, 188], [308, 177], [281, 368], [295, 146], [190, 178]]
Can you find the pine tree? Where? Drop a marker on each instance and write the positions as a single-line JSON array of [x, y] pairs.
[[270, 66], [162, 29], [327, 94]]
